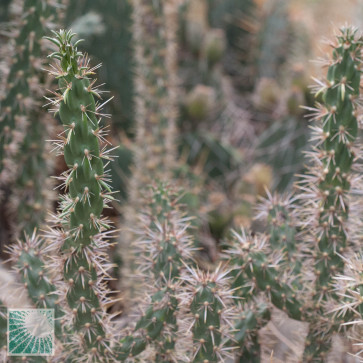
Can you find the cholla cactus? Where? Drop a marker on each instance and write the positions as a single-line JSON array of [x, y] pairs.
[[24, 127], [29, 262], [154, 34], [265, 270], [207, 307], [349, 288], [32, 194], [163, 246], [18, 101], [80, 232], [326, 189], [252, 316]]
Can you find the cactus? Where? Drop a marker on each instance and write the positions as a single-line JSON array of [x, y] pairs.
[[80, 232], [325, 189], [258, 269], [162, 248], [267, 265], [32, 193], [28, 257], [281, 146], [24, 157], [154, 149], [207, 304], [18, 101], [349, 288], [188, 313], [252, 316]]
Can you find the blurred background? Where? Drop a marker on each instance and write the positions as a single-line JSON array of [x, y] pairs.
[[244, 72]]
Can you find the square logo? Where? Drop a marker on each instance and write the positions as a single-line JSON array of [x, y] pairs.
[[30, 332]]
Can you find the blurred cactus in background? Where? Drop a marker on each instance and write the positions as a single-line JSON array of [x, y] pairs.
[[24, 126], [155, 27]]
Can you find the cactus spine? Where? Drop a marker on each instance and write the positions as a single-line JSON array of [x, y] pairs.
[[325, 190], [81, 232]]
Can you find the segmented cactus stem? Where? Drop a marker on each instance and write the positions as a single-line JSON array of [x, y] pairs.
[[154, 30], [80, 235], [18, 102], [207, 308], [162, 248], [28, 256], [327, 188]]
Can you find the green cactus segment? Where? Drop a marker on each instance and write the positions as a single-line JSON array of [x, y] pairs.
[[279, 215], [162, 248], [207, 300], [82, 243], [169, 248], [249, 322], [21, 85], [340, 128], [28, 256], [325, 191], [85, 179], [258, 268], [268, 264], [32, 194], [131, 346], [349, 288], [154, 31]]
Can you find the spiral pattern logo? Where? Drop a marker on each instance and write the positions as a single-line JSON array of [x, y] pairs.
[[31, 332]]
